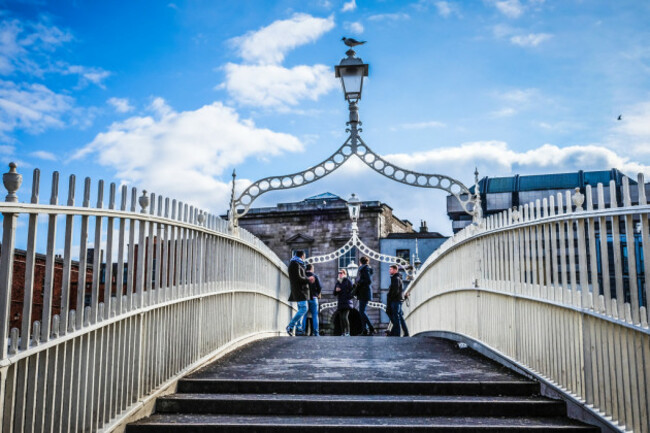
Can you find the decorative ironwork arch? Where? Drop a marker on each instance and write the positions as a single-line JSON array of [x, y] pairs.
[[355, 242], [354, 145]]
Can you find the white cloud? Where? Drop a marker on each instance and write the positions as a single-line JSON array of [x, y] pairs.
[[520, 96], [86, 74], [262, 80], [354, 27], [510, 8], [389, 17], [121, 105], [32, 107], [270, 44], [271, 85], [531, 39], [349, 6], [24, 45], [42, 154], [445, 9], [497, 158], [504, 112], [421, 125], [517, 37], [183, 154]]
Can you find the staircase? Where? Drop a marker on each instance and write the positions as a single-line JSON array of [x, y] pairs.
[[356, 384]]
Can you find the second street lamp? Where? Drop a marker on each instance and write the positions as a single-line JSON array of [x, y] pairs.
[[354, 209]]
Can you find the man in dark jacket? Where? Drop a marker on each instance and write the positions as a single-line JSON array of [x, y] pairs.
[[299, 289], [314, 293], [364, 294], [394, 300]]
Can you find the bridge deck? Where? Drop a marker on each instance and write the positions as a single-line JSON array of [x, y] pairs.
[[356, 358]]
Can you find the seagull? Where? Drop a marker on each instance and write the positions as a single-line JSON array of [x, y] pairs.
[[620, 117], [352, 42]]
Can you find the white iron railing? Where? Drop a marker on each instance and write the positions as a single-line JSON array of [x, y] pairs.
[[563, 293], [172, 289]]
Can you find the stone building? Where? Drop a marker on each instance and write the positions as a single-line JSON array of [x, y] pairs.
[[319, 225]]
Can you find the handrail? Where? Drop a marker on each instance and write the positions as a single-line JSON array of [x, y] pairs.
[[121, 302], [563, 293]]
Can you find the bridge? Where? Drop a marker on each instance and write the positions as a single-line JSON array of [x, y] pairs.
[[134, 291]]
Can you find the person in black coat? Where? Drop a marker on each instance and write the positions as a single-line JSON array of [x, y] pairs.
[[364, 293], [299, 289], [394, 300], [343, 290], [314, 295]]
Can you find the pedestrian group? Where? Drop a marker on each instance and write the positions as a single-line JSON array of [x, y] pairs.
[[306, 291]]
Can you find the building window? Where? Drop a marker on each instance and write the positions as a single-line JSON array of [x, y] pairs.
[[306, 250], [404, 254], [348, 257]]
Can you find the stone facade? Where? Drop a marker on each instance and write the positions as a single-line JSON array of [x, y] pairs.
[[319, 225]]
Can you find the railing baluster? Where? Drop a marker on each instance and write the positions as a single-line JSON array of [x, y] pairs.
[[48, 287], [645, 242], [28, 294], [130, 281], [604, 251], [67, 260], [83, 259], [630, 242], [108, 270], [618, 265], [97, 256]]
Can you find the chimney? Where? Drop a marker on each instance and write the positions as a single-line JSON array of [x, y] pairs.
[[423, 227]]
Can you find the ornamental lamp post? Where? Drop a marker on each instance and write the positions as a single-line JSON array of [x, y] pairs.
[[354, 209], [351, 71]]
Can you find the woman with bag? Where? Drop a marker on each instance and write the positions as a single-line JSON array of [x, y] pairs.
[[343, 290]]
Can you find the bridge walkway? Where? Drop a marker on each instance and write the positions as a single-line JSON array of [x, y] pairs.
[[356, 384]]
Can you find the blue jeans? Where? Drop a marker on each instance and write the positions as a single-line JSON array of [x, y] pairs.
[[312, 304], [402, 323], [302, 310], [395, 314], [365, 321]]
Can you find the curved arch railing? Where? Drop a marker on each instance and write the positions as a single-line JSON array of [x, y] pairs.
[[355, 242], [558, 289], [354, 145], [129, 295]]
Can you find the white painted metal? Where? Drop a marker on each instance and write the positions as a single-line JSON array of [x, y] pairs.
[[570, 322], [191, 289]]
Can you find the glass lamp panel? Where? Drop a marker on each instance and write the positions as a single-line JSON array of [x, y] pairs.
[[352, 79]]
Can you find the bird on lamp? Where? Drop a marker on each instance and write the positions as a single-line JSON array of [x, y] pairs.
[[352, 42]]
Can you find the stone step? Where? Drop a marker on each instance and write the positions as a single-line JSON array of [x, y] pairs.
[[358, 405], [164, 423], [485, 388]]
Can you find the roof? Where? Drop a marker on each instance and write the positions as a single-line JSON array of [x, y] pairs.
[[324, 196], [541, 182], [413, 235]]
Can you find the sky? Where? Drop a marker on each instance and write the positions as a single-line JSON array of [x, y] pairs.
[[172, 96]]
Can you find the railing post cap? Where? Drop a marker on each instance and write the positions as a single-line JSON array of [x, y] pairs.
[[12, 181]]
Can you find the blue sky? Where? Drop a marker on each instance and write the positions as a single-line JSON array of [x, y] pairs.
[[171, 96]]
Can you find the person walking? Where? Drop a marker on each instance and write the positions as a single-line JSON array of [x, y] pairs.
[[394, 300], [299, 289], [364, 294], [312, 305], [343, 290]]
